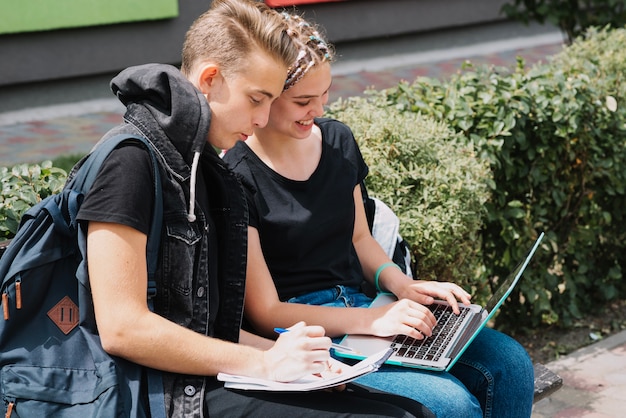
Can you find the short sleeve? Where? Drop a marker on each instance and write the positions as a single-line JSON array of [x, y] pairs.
[[123, 191]]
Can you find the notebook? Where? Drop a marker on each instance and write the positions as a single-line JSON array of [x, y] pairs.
[[311, 382], [451, 336]]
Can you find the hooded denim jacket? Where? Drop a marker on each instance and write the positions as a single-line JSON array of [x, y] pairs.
[[165, 107]]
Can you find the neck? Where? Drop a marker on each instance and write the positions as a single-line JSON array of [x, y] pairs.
[[293, 158]]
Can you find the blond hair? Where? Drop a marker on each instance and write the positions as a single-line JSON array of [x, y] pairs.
[[232, 29], [312, 48]]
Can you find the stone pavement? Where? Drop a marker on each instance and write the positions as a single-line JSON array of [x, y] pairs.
[[594, 382], [594, 378]]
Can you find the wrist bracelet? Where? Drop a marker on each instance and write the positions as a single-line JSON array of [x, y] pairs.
[[380, 269]]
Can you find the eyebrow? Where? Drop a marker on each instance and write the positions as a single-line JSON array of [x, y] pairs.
[[265, 93], [308, 96]]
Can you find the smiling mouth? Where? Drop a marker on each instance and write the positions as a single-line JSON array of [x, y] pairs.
[[305, 122]]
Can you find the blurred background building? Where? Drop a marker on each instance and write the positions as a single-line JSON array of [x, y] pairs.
[[68, 50]]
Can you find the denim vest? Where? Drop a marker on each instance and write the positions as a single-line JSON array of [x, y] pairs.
[[182, 275]]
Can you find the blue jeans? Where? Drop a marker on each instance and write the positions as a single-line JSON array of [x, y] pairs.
[[493, 378]]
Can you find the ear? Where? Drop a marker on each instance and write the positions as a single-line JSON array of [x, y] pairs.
[[207, 77]]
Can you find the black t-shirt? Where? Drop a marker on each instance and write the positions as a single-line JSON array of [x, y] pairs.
[[120, 195], [306, 226]]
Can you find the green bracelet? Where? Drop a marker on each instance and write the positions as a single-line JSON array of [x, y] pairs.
[[380, 269]]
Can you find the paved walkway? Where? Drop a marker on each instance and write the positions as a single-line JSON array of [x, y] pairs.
[[594, 377], [594, 382]]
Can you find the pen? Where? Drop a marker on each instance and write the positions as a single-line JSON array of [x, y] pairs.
[[333, 345]]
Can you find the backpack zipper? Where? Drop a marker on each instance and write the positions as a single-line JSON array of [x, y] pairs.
[[18, 292], [5, 305], [18, 297], [9, 409]]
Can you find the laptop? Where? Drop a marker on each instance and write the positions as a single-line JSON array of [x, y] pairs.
[[451, 336]]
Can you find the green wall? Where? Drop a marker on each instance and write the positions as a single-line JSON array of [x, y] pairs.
[[38, 15]]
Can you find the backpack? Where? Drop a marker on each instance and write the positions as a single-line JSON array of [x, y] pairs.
[[385, 228], [51, 361]]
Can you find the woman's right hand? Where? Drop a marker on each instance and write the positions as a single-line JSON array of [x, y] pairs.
[[301, 351], [404, 317]]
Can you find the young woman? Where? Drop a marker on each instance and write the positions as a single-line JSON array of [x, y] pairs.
[[235, 61], [310, 248]]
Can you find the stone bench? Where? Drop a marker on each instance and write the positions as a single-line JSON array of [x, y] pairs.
[[546, 382]]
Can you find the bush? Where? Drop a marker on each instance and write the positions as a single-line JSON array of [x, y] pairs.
[[432, 180], [67, 162], [574, 18], [23, 186], [554, 137]]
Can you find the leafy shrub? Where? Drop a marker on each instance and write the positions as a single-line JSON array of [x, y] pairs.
[[23, 186], [432, 180], [67, 162], [554, 137], [572, 17]]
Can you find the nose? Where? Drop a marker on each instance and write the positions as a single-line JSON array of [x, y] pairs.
[[318, 108], [261, 116]]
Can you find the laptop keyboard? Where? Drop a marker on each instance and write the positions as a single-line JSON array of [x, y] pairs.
[[431, 348]]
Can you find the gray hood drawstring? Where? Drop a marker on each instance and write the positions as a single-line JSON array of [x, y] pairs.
[[160, 102], [191, 216]]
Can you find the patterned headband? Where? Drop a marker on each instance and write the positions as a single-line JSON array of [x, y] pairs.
[[308, 56]]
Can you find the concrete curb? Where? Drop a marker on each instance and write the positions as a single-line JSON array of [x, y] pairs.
[[590, 351]]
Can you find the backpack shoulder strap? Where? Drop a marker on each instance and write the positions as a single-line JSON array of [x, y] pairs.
[[82, 181], [86, 174]]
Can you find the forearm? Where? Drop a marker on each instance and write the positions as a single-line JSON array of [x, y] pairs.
[[372, 257], [253, 340], [156, 342]]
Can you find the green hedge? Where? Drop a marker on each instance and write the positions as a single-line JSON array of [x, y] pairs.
[[23, 186], [430, 176], [574, 18], [554, 136]]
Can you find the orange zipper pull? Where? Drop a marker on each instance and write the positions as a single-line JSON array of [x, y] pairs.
[[5, 305], [18, 294], [9, 410]]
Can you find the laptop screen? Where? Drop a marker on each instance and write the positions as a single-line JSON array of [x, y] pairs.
[[506, 287]]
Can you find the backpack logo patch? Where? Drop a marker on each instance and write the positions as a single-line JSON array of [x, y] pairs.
[[64, 315]]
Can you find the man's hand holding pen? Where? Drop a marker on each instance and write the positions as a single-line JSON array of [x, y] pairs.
[[304, 350]]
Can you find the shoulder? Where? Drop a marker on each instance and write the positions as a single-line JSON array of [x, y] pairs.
[[333, 126], [128, 159], [236, 156], [237, 159], [337, 134], [339, 138]]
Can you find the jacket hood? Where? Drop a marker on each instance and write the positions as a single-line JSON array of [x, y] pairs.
[[181, 111], [170, 111]]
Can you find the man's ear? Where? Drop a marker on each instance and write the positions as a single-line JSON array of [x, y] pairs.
[[207, 77]]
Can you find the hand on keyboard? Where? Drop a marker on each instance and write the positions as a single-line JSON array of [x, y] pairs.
[[425, 292], [402, 317]]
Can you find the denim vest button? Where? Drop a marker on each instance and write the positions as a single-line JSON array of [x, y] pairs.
[[200, 292], [190, 390]]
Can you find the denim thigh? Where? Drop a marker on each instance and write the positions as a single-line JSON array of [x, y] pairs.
[[337, 296]]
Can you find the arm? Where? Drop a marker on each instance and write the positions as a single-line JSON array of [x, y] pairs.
[[118, 277], [371, 256], [265, 311]]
